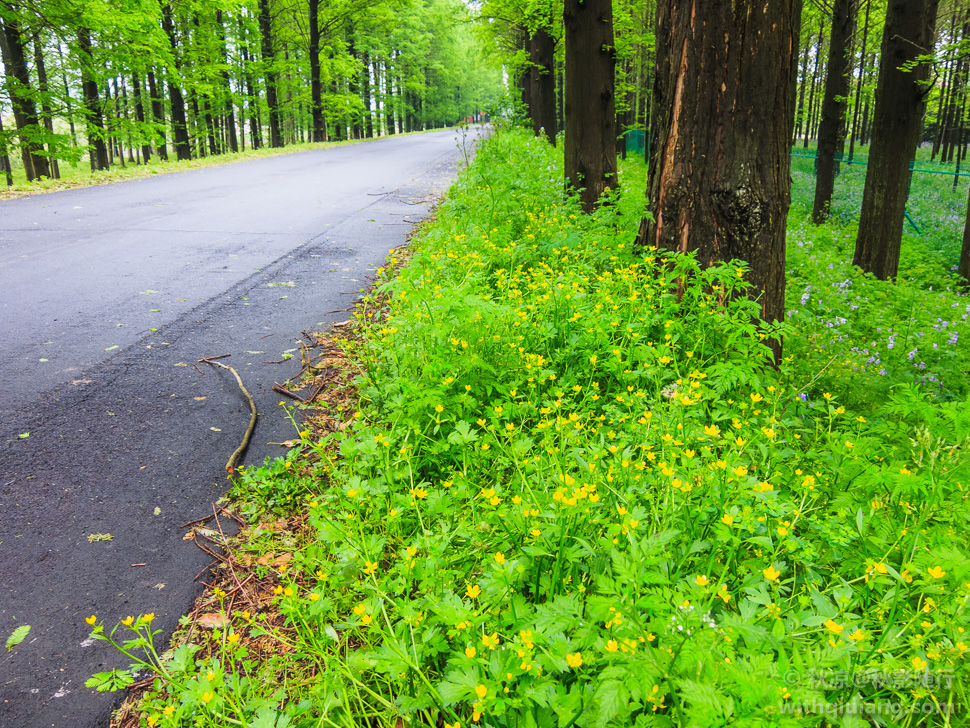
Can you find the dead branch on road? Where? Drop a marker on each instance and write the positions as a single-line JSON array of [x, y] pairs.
[[237, 453]]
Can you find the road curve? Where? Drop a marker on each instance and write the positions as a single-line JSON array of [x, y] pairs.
[[107, 296]]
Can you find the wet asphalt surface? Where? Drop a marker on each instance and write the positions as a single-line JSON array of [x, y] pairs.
[[108, 295]]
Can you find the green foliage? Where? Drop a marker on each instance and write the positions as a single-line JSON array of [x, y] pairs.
[[578, 494], [17, 636]]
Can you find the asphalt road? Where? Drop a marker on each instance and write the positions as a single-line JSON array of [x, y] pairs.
[[107, 296]]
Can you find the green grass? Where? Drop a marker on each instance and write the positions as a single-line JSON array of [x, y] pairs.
[[577, 493]]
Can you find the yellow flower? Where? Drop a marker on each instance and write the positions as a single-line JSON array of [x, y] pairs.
[[857, 636], [500, 558], [91, 620], [936, 572], [712, 430], [207, 697], [481, 691], [574, 659], [360, 609], [473, 590], [233, 638], [169, 709], [701, 580], [371, 567], [470, 652], [771, 573], [128, 620], [918, 663], [833, 627], [612, 646], [366, 619], [881, 568], [148, 617], [419, 493], [756, 398], [439, 409], [727, 519]]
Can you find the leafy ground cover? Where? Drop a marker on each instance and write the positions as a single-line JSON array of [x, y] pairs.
[[574, 491]]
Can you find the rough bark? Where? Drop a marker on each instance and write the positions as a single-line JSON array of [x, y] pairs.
[[834, 104], [142, 113], [5, 157], [897, 119], [272, 77], [542, 55], [590, 104], [860, 82], [92, 104], [46, 109], [719, 181], [180, 128], [21, 99], [318, 123]]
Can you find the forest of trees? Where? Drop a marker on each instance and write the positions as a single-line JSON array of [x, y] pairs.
[[121, 81]]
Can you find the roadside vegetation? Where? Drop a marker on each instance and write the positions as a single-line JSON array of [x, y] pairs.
[[568, 487]]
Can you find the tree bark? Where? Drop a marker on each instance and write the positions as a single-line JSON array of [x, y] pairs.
[[543, 78], [719, 182], [46, 110], [860, 82], [92, 104], [22, 100], [141, 114], [590, 104], [5, 157], [272, 77], [229, 106], [318, 123], [180, 129], [897, 119], [833, 105], [158, 115]]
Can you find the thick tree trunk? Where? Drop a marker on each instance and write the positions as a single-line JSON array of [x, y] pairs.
[[720, 168], [590, 104], [900, 102], [543, 79], [180, 128], [22, 100], [833, 105], [272, 77], [92, 104], [318, 123], [46, 110], [963, 269]]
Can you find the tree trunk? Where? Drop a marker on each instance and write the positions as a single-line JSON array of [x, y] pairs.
[[543, 78], [367, 123], [590, 104], [22, 100], [318, 123], [5, 157], [833, 105], [799, 114], [158, 113], [811, 93], [719, 182], [141, 114], [272, 77], [859, 83], [900, 103], [92, 104], [180, 129], [46, 110], [963, 269], [229, 106]]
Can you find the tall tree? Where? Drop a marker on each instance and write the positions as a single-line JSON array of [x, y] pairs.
[[542, 57], [272, 76], [590, 103], [907, 45], [719, 181], [834, 104], [180, 126], [22, 97], [92, 103]]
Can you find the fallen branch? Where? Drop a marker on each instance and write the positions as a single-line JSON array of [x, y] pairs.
[[210, 359], [231, 463], [287, 393]]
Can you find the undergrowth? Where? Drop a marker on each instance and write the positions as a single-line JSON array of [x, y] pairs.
[[576, 492]]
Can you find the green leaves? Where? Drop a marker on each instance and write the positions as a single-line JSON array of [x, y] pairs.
[[17, 636]]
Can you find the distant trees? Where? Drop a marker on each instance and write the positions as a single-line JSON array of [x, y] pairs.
[[196, 77]]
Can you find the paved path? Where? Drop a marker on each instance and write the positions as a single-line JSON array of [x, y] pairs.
[[107, 295]]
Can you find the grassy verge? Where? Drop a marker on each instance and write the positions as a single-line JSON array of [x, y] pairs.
[[574, 492]]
